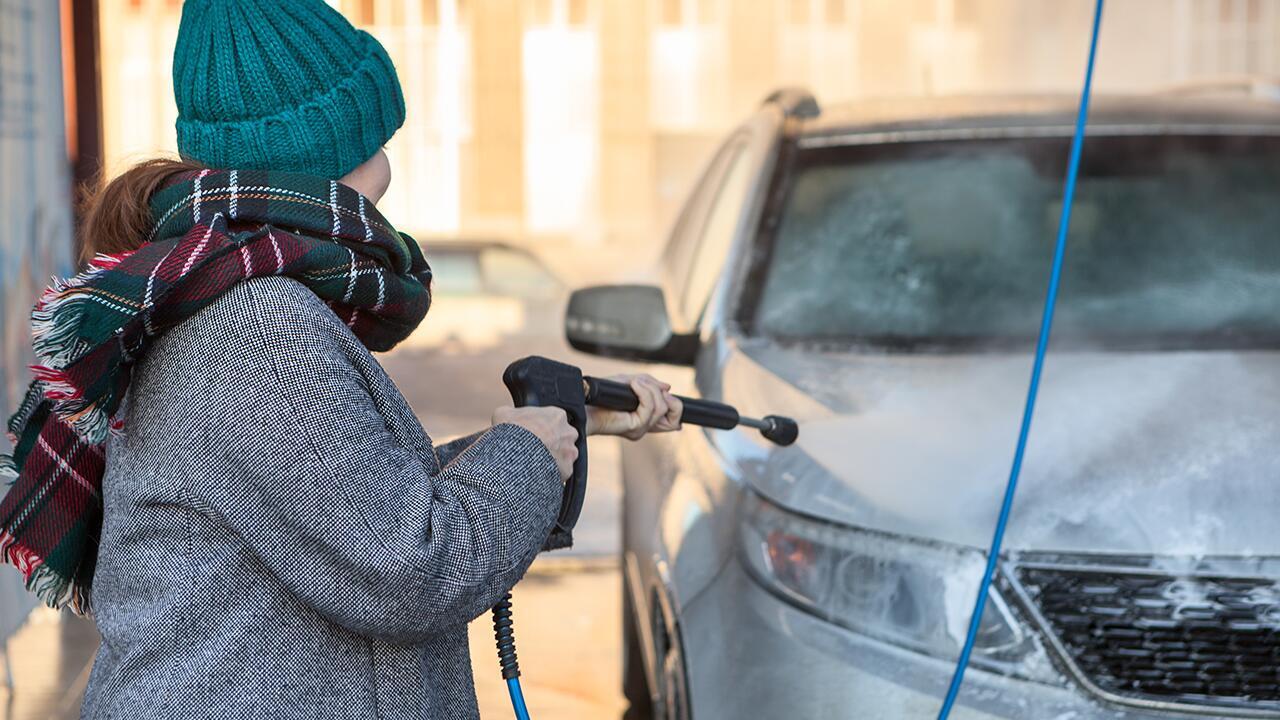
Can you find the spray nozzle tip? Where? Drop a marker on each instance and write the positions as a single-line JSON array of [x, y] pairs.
[[780, 430]]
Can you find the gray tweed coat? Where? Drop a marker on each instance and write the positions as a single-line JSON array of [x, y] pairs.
[[281, 539]]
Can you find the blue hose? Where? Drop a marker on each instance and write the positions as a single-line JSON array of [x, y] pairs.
[[517, 699], [1042, 345]]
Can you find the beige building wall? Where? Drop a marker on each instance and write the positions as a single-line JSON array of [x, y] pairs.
[[650, 85], [136, 39], [753, 51], [430, 44], [493, 176], [626, 137]]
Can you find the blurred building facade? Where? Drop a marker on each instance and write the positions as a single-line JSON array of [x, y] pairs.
[[35, 180], [35, 211], [586, 119]]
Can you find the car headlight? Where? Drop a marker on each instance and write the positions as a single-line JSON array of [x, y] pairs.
[[914, 594]]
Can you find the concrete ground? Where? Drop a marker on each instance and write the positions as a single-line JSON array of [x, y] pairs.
[[567, 609], [568, 632], [50, 658]]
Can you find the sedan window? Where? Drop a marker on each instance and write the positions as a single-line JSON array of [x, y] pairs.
[[455, 273], [514, 273], [1175, 242], [717, 237]]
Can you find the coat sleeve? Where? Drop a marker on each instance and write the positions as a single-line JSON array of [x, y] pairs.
[[446, 452], [373, 536]]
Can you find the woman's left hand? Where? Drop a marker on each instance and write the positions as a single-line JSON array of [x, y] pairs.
[[659, 410]]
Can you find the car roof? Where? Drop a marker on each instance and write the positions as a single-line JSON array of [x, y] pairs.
[[453, 244], [1040, 115], [434, 247]]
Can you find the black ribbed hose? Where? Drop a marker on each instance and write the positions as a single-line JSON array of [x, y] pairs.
[[504, 633]]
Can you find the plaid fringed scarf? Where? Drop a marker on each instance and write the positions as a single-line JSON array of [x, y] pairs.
[[213, 229]]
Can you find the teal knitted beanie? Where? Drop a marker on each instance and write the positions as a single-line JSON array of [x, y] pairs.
[[284, 85]]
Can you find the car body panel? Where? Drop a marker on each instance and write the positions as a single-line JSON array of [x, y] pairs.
[[751, 654], [920, 445], [676, 540]]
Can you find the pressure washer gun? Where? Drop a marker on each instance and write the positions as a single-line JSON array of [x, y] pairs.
[[537, 381]]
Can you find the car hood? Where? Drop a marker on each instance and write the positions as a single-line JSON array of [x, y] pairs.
[[1156, 453]]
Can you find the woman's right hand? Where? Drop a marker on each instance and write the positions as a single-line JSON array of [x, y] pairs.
[[552, 427]]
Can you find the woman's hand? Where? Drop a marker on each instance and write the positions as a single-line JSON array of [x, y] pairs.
[[552, 427], [659, 410]]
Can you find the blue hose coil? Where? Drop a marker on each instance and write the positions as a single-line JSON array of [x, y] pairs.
[[1042, 346]]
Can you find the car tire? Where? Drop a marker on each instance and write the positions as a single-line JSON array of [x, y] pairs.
[[635, 686], [673, 693], [670, 699]]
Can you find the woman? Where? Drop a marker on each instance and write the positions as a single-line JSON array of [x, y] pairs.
[[211, 459]]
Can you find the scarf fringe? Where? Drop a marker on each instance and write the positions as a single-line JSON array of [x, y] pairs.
[[55, 323], [57, 386], [30, 402], [86, 417], [55, 590], [60, 309]]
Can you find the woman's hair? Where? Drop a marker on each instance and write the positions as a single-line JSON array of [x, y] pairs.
[[115, 215]]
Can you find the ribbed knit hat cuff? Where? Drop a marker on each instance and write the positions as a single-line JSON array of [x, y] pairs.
[[327, 136]]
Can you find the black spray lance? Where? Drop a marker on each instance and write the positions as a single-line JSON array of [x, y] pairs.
[[537, 381]]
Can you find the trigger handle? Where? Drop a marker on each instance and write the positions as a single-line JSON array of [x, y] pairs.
[[539, 382]]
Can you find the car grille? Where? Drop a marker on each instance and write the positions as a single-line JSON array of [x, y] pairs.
[[1159, 637]]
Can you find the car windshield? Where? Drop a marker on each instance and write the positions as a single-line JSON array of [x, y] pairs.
[[1175, 242]]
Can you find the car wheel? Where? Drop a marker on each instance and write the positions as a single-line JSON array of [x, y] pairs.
[[672, 698], [635, 686]]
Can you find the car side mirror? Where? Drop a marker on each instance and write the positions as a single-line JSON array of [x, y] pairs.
[[629, 322]]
